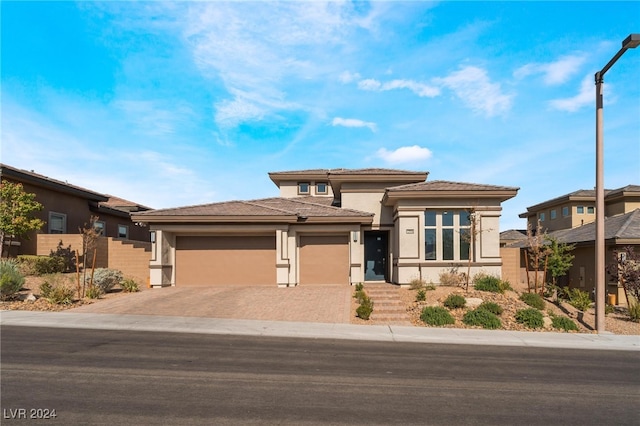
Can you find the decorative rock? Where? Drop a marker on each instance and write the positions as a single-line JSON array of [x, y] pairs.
[[547, 322], [31, 297], [473, 302]]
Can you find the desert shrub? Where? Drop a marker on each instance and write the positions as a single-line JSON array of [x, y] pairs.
[[416, 284], [634, 309], [491, 283], [609, 309], [579, 299], [56, 289], [451, 278], [436, 316], [41, 265], [106, 278], [431, 286], [129, 285], [530, 317], [455, 301], [533, 299], [94, 292], [68, 256], [421, 295], [482, 318], [360, 295], [366, 307], [11, 279], [492, 307], [563, 323], [359, 287]]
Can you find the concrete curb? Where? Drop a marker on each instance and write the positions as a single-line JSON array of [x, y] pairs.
[[388, 333]]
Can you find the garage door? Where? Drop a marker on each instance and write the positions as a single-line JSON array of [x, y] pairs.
[[324, 259], [228, 260]]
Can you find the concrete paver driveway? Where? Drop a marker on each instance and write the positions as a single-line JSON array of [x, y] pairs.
[[328, 304]]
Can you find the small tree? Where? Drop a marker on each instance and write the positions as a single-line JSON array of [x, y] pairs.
[[89, 245], [559, 258], [470, 236], [16, 208], [626, 268], [536, 256]]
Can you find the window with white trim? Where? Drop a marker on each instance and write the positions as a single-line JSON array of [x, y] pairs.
[[591, 210], [553, 214], [446, 235], [57, 223], [541, 216], [99, 226], [565, 211], [321, 188], [123, 231], [303, 188], [580, 210]]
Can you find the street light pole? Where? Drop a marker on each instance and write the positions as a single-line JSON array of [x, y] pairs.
[[629, 43]]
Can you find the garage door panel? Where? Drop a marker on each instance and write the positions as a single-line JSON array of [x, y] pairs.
[[228, 260], [324, 259]]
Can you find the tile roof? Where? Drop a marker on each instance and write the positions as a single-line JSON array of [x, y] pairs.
[[342, 171], [276, 206], [441, 185], [513, 234], [580, 194], [122, 204]]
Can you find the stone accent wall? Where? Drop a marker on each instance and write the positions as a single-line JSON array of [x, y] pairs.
[[130, 257]]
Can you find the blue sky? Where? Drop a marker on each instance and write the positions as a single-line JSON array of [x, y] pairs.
[[171, 104]]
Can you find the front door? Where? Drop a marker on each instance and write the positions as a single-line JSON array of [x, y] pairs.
[[376, 250]]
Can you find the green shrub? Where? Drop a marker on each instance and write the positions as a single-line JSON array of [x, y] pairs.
[[579, 299], [129, 285], [416, 284], [482, 318], [451, 278], [41, 265], [68, 256], [492, 307], [455, 301], [106, 278], [11, 280], [360, 295], [366, 308], [94, 292], [56, 289], [530, 317], [436, 316], [491, 283], [359, 287], [563, 323], [534, 300], [431, 286], [421, 295]]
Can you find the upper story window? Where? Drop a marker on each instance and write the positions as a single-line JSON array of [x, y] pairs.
[[580, 209], [303, 187], [321, 188], [57, 223], [123, 231], [99, 226], [565, 211], [541, 216], [591, 210], [447, 235], [552, 214]]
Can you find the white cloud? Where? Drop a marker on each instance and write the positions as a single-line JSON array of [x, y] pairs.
[[353, 122], [557, 72], [585, 97], [420, 89], [473, 86], [348, 77], [405, 154]]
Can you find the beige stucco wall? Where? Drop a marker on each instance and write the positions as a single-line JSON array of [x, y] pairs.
[[289, 189]]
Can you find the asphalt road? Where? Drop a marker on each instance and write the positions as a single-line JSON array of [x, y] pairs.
[[139, 378]]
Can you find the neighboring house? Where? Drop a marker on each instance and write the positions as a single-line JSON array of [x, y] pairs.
[[67, 208], [622, 228], [335, 226]]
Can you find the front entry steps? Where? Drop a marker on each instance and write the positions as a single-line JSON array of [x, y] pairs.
[[387, 305]]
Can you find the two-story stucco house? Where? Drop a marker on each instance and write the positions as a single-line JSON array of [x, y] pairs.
[[335, 226]]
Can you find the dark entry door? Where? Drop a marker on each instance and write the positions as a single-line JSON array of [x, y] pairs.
[[376, 249]]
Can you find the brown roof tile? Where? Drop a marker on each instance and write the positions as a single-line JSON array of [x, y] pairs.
[[441, 185]]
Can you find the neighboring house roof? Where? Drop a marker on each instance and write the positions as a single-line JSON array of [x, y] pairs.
[[341, 174], [267, 209], [52, 184], [124, 205], [621, 229], [513, 235]]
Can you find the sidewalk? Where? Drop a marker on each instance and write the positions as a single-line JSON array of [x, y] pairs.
[[390, 333]]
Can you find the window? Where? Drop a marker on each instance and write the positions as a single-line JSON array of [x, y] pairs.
[[591, 210], [57, 223], [580, 209], [99, 226], [152, 237], [541, 217], [565, 211], [123, 231], [303, 188], [553, 214], [321, 188], [446, 235]]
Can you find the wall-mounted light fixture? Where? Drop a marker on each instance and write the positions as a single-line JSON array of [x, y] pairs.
[[354, 236]]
